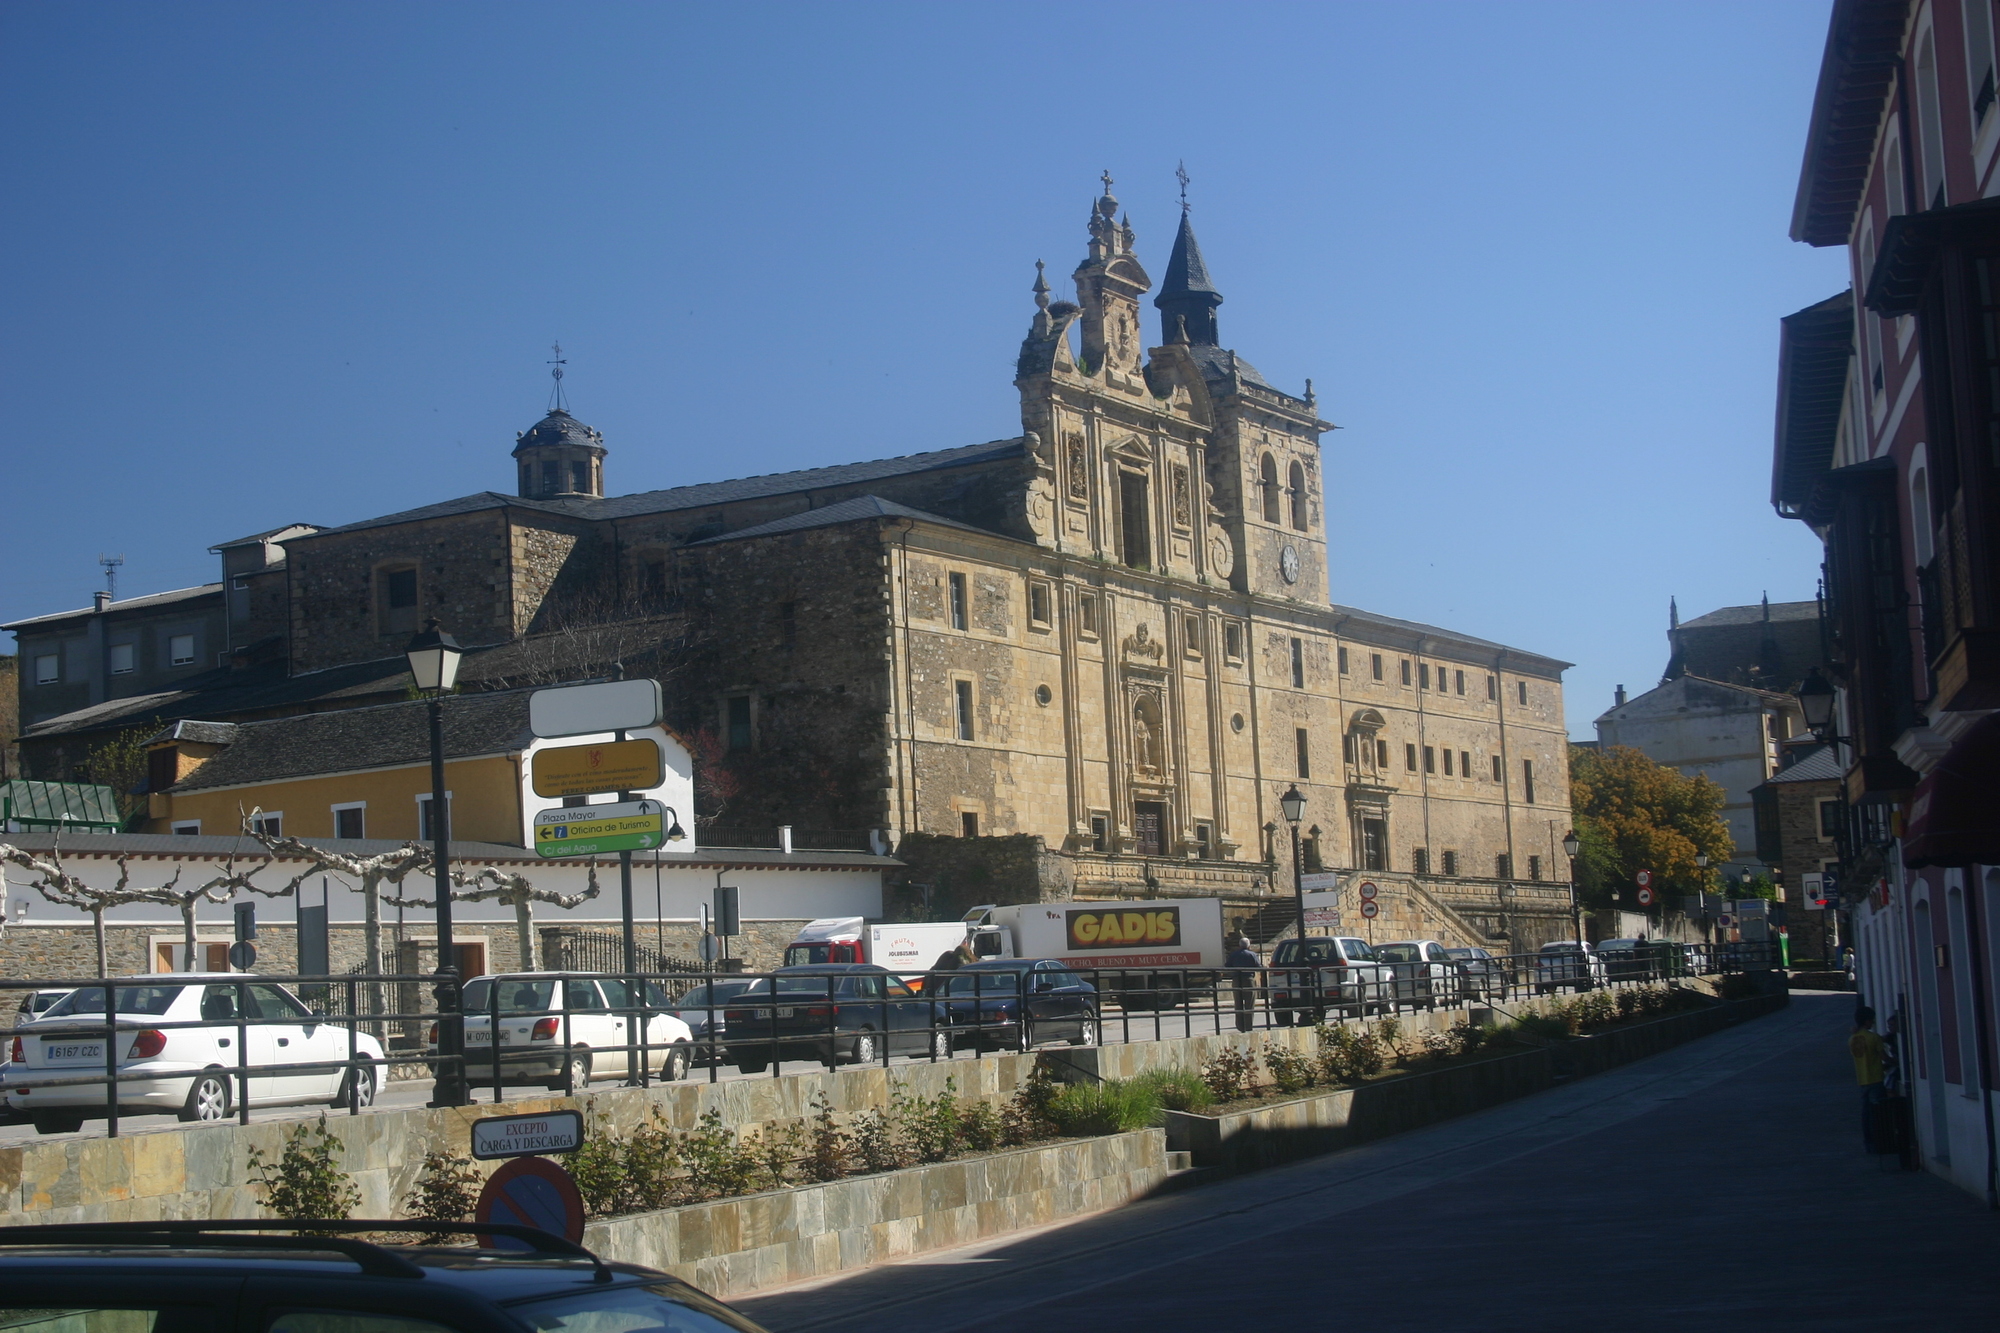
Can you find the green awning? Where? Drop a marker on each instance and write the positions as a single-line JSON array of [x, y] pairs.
[[60, 805]]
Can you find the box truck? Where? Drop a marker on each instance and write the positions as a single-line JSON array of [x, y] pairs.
[[906, 948], [1150, 953]]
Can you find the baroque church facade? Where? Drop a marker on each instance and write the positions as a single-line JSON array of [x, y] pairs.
[[1109, 638]]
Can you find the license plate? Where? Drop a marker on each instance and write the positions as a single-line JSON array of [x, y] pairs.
[[766, 1013], [478, 1038], [70, 1052]]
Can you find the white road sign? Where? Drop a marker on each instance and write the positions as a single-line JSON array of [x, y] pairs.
[[588, 710], [526, 1135]]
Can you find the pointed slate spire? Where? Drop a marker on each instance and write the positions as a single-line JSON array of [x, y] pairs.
[[1676, 661], [1187, 298]]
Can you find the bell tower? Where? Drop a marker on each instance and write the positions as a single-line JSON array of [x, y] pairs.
[[1109, 284], [559, 456]]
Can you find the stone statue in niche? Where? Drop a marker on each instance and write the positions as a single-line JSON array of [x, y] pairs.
[[1183, 504], [1141, 643], [1146, 736], [1079, 470]]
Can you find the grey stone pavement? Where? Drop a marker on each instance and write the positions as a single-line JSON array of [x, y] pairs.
[[1717, 1187]]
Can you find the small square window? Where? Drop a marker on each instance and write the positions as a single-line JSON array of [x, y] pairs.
[[180, 649], [268, 823], [350, 821], [1465, 763], [1447, 763], [1100, 833], [1503, 866], [121, 659], [1086, 615], [1420, 860], [1204, 841], [187, 828], [1232, 641], [1381, 754], [1193, 636], [1375, 664], [968, 824], [1829, 819], [425, 831], [1493, 687], [1534, 867], [1423, 675], [1523, 687], [48, 669]]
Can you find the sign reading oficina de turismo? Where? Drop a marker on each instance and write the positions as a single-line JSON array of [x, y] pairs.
[[594, 830], [525, 1135]]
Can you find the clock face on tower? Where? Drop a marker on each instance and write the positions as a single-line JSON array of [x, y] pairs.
[[1288, 564]]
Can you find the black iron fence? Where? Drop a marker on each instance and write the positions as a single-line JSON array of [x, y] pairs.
[[208, 1048]]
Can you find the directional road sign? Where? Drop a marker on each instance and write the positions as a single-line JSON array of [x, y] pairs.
[[594, 830], [588, 770]]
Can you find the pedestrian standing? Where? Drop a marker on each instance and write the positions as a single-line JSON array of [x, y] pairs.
[[1865, 1046], [1246, 965]]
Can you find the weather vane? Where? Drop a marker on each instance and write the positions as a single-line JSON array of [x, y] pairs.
[[1106, 178], [556, 373], [1180, 174]]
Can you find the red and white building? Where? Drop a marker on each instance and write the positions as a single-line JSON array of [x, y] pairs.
[[1888, 445]]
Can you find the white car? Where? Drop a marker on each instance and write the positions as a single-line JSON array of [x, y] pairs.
[[594, 1021], [1425, 972], [187, 1039], [1567, 963]]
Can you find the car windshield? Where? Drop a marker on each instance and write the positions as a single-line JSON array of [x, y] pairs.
[[153, 1001], [654, 1308], [1398, 953], [1617, 944], [811, 983], [1462, 953], [516, 996], [983, 981], [803, 955], [1316, 951]]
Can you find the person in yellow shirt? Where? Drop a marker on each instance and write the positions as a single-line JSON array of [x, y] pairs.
[[1865, 1046]]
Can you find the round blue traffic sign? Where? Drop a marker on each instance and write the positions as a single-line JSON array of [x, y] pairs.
[[531, 1192]]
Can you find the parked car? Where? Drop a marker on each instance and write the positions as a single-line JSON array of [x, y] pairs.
[[192, 1071], [830, 1012], [595, 1029], [1324, 973], [1567, 963], [705, 1010], [35, 1003], [1627, 960], [1481, 975], [1017, 1003], [1423, 972], [189, 1276]]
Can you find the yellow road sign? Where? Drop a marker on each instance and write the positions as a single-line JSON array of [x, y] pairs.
[[591, 830], [586, 770]]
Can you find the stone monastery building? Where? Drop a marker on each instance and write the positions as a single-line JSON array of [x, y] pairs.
[[1112, 632]]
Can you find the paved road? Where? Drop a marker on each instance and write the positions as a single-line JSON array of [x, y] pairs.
[[1718, 1187]]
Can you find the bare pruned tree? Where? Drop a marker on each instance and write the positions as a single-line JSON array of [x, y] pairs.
[[58, 886], [513, 891]]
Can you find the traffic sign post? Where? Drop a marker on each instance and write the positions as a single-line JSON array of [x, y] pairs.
[[1367, 890], [590, 710], [596, 830], [531, 1192], [501, 1136], [1371, 909], [1645, 897], [591, 770]]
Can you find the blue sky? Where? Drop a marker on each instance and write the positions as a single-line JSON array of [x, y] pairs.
[[270, 263]]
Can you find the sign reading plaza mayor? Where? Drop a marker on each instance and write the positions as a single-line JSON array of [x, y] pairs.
[[589, 710], [594, 830], [1099, 929], [587, 770]]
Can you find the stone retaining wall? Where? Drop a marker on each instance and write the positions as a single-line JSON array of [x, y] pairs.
[[732, 1246]]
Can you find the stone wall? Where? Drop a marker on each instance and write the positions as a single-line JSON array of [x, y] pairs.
[[1805, 852]]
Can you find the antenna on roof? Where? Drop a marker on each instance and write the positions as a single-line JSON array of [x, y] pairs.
[[111, 563], [557, 402]]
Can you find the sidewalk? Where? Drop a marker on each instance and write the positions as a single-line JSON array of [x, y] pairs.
[[1719, 1186]]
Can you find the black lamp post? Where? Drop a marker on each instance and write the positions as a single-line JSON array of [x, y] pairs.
[[1816, 699], [434, 657], [1571, 846], [1293, 803]]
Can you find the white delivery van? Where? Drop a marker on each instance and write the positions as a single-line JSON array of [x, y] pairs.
[[1152, 953], [906, 948]]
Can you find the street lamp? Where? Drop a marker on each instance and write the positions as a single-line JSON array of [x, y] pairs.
[[1816, 699], [1571, 846], [1293, 803], [434, 657]]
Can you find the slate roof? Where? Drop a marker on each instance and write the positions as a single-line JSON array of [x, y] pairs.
[[559, 427], [1821, 765], [1187, 271], [862, 507], [200, 733], [257, 537], [384, 736], [1753, 614], [1416, 628], [596, 508], [149, 602]]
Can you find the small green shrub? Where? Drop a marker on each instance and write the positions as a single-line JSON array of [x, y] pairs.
[[929, 1125], [1543, 1027], [1628, 1003], [877, 1143], [649, 1166], [1026, 1117], [1437, 1044], [599, 1172], [1290, 1071], [1229, 1074], [979, 1128], [1114, 1106], [719, 1164], [1389, 1035], [307, 1181], [1179, 1089], [828, 1147], [779, 1152], [445, 1190], [1348, 1055], [1467, 1036]]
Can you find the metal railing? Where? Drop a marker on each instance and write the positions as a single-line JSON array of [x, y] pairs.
[[653, 1026]]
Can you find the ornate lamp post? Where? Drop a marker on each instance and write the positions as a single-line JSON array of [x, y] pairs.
[[1571, 846], [1293, 803], [434, 657], [1816, 699]]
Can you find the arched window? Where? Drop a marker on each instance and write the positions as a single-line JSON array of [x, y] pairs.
[[1270, 482], [1298, 489]]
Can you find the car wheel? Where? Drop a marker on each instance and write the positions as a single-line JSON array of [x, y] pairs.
[[864, 1048], [1086, 1033], [579, 1073], [60, 1122], [941, 1044], [362, 1082], [675, 1067], [207, 1100]]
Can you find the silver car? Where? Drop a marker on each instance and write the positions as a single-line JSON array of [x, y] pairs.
[[593, 1029], [1424, 974], [1567, 964]]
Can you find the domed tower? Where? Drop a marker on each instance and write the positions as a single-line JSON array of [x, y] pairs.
[[560, 456]]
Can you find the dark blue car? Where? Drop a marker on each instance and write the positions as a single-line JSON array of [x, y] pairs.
[[1015, 1003]]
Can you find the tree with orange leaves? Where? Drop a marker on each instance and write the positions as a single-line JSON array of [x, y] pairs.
[[1633, 814]]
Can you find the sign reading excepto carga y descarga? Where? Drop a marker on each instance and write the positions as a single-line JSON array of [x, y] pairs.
[[525, 1135]]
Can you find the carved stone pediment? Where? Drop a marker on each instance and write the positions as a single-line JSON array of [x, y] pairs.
[[1141, 645]]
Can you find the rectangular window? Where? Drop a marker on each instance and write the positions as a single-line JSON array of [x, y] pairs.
[[1309, 857], [1493, 687], [788, 624], [121, 659], [163, 768], [350, 821], [1192, 626], [1528, 780], [738, 712], [1503, 866], [1410, 757], [1930, 124], [958, 617], [48, 668], [1347, 748], [1298, 664], [1450, 862], [1204, 841], [1100, 832], [396, 601], [1374, 844], [1038, 603], [968, 824], [187, 828], [1430, 760], [1375, 665], [1420, 860], [962, 696], [1406, 670], [268, 823], [1829, 819], [425, 832], [1133, 524], [1302, 742], [1460, 675], [653, 579], [180, 649], [1382, 754], [1423, 675], [1232, 642], [1465, 763], [1447, 763], [1086, 614], [1340, 660], [1534, 867], [1496, 769]]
